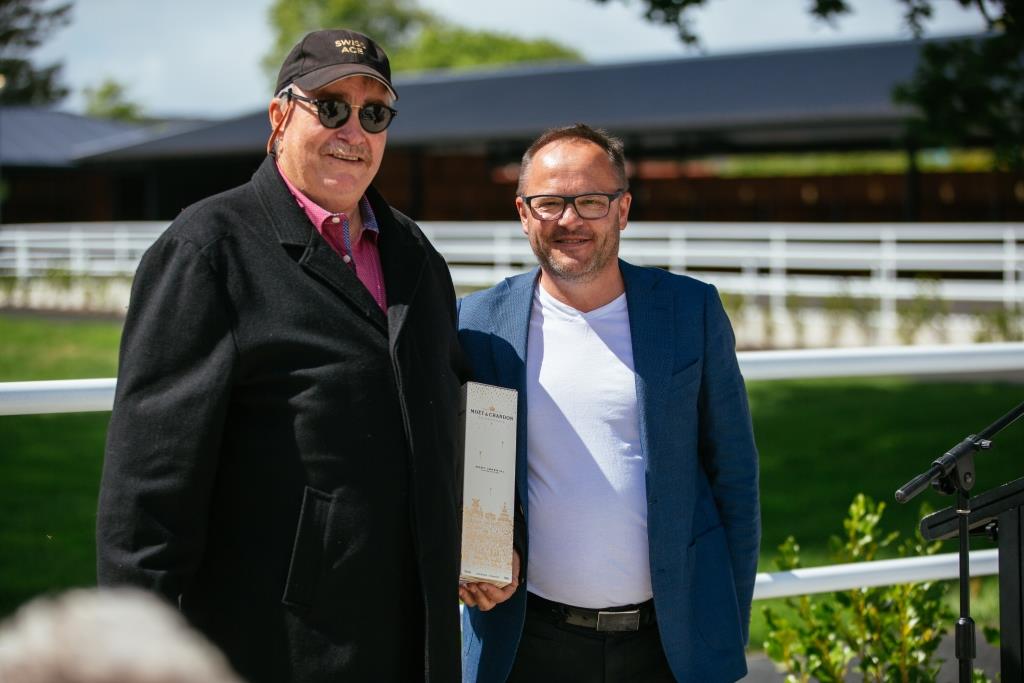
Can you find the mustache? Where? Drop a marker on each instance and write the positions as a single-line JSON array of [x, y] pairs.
[[361, 151]]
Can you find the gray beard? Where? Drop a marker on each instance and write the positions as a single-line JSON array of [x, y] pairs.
[[573, 273]]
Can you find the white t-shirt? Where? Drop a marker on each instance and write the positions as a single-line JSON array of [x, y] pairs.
[[586, 474]]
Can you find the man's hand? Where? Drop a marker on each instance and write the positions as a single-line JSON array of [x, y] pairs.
[[484, 596]]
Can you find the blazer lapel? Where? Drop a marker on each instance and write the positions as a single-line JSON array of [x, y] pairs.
[[512, 324], [512, 328], [651, 327]]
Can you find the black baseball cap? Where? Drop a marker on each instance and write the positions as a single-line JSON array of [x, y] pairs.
[[325, 56]]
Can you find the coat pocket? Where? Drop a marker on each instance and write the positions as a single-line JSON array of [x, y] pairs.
[[306, 564], [715, 607]]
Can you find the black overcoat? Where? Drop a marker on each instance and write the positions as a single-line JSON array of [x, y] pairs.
[[280, 458]]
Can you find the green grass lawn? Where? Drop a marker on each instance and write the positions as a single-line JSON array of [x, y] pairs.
[[50, 464], [821, 442], [43, 347]]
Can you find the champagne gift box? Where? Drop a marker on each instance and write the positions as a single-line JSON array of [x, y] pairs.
[[487, 430]]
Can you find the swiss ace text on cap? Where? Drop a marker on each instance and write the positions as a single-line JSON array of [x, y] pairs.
[[323, 57]]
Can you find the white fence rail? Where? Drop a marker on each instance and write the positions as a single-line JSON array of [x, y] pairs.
[[982, 262], [954, 262], [841, 577], [97, 249], [69, 396], [86, 395]]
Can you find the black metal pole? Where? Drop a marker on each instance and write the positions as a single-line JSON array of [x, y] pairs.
[[1002, 422], [954, 472], [945, 465], [965, 640]]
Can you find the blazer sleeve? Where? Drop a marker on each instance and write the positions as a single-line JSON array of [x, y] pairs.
[[176, 368], [728, 452]]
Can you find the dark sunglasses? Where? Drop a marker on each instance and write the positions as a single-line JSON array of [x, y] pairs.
[[374, 117]]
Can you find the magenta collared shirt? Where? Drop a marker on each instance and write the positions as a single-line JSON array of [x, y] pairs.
[[363, 256]]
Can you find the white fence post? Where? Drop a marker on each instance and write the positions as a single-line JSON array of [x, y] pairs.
[[122, 253], [677, 250], [23, 267], [777, 240], [885, 285], [78, 256], [502, 254], [1010, 269]]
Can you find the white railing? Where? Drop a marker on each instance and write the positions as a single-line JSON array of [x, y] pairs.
[[982, 262], [68, 396], [87, 395], [95, 249], [887, 262], [882, 361], [842, 577]]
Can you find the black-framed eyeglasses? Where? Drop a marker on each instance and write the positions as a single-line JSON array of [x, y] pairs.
[[550, 207], [374, 117]]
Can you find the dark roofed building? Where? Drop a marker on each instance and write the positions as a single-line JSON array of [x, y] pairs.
[[40, 152], [452, 150], [835, 97], [35, 137]]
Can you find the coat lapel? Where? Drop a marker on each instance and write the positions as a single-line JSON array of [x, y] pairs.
[[321, 261], [302, 241], [403, 258]]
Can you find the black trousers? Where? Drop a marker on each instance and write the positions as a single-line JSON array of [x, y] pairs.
[[551, 650]]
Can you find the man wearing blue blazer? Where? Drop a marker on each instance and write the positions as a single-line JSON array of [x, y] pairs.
[[637, 516]]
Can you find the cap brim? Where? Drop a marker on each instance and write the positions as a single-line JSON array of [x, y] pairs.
[[315, 80]]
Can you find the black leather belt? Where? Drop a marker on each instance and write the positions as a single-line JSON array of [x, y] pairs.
[[610, 619]]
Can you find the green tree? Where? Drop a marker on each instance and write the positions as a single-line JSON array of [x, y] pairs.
[[446, 46], [393, 23], [962, 91], [24, 24], [413, 37], [108, 100]]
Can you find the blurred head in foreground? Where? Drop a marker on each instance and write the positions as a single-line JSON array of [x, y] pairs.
[[106, 636]]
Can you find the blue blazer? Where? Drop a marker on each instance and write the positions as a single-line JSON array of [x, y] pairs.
[[703, 515]]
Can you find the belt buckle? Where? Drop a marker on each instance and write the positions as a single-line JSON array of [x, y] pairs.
[[619, 621]]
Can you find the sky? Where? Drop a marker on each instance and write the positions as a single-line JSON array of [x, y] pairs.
[[202, 57]]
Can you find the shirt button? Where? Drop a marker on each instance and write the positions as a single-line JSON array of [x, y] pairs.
[[335, 219], [346, 258]]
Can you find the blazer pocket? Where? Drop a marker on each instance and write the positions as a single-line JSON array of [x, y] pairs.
[[681, 379], [306, 564], [715, 607]]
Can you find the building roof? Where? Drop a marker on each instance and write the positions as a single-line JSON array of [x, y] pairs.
[[37, 136], [42, 137], [782, 99]]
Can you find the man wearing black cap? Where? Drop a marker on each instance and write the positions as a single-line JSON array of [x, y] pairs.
[[280, 458]]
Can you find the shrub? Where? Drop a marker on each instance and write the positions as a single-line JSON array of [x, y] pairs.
[[888, 633]]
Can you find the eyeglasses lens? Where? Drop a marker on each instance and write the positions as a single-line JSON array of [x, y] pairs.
[[586, 205], [374, 118], [333, 113]]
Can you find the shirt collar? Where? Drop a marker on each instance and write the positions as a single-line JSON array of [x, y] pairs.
[[317, 214]]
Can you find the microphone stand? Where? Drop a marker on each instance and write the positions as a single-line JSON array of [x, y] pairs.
[[954, 473]]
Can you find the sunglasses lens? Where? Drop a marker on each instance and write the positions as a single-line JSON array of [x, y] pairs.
[[375, 117], [333, 113]]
